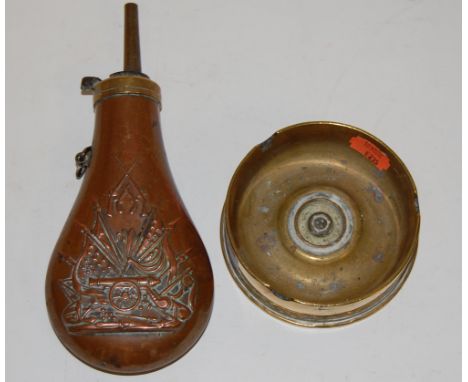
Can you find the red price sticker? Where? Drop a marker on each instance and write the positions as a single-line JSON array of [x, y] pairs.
[[371, 152]]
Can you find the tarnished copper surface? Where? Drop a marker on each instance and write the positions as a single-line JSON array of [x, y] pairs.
[[129, 287], [320, 224]]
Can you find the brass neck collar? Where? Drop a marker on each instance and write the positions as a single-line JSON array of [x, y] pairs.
[[126, 85]]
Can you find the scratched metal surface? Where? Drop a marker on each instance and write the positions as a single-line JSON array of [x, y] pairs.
[[231, 73]]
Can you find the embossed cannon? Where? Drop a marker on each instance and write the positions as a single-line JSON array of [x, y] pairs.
[[125, 293]]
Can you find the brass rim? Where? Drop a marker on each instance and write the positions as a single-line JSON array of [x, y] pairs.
[[127, 85], [291, 307]]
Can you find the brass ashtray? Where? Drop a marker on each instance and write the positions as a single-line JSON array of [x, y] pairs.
[[320, 224]]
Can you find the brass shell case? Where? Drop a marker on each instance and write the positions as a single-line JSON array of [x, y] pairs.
[[304, 284]]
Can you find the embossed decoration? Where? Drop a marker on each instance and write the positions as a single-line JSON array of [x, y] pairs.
[[127, 278]]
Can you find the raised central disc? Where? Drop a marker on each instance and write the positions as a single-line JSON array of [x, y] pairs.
[[320, 223]]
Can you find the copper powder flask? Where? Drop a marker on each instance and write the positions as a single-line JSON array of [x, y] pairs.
[[129, 287], [320, 224]]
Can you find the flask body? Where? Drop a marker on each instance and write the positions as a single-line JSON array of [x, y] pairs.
[[129, 286]]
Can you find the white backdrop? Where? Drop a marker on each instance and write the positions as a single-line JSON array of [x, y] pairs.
[[232, 72]]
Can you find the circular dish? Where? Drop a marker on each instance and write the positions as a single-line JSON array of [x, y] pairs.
[[320, 224]]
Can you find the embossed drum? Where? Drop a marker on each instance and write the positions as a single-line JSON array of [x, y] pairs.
[[320, 224]]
